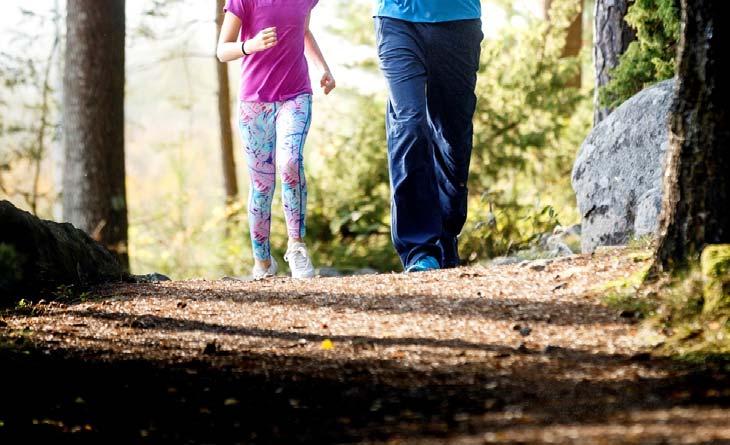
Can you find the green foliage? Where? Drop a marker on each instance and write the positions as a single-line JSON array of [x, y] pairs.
[[715, 267], [630, 305], [348, 218], [649, 59], [358, 27], [623, 294], [69, 293], [690, 327], [183, 242], [498, 227], [528, 125], [687, 313]]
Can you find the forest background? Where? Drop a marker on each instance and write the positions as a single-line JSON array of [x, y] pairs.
[[535, 106]]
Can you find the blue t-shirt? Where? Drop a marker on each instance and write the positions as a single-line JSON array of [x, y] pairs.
[[430, 10]]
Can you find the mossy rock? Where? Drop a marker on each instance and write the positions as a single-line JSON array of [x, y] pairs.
[[38, 256], [715, 263]]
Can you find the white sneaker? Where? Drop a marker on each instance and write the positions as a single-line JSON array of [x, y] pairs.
[[299, 262], [261, 273]]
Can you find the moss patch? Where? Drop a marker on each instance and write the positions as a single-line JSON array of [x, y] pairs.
[[715, 266], [693, 308]]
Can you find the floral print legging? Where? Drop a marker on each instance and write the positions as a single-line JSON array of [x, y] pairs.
[[273, 136]]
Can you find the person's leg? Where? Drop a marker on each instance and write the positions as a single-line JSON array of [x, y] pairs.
[[415, 221], [258, 131], [453, 62], [293, 119]]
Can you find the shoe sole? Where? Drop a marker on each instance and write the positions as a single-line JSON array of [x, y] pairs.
[[264, 277], [419, 269], [303, 277]]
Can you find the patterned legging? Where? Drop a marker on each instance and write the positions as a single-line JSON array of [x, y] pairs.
[[273, 138]]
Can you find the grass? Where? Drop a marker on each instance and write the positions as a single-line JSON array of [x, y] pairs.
[[624, 294], [630, 305], [692, 331], [643, 243], [693, 325]]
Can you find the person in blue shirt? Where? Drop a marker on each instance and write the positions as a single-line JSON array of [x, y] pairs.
[[429, 54]]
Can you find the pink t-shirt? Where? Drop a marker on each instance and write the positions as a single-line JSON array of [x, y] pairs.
[[279, 73]]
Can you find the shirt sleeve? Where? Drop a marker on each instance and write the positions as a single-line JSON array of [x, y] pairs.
[[235, 7], [314, 3]]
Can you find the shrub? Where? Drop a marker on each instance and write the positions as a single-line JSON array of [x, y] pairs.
[[528, 126], [649, 59]]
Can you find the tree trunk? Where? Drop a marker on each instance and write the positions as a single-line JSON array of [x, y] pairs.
[[612, 36], [573, 39], [224, 113], [94, 197], [695, 209]]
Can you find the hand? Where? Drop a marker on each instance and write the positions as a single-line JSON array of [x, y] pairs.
[[328, 82], [265, 39]]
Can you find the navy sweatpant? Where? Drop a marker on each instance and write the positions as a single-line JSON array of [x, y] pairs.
[[431, 70]]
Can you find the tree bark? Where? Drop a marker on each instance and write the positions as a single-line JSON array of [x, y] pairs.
[[695, 209], [573, 39], [224, 113], [612, 36], [94, 197]]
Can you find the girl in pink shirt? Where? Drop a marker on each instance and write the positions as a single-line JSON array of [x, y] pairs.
[[272, 38]]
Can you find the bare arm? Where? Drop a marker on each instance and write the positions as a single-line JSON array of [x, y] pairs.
[[314, 53], [229, 48]]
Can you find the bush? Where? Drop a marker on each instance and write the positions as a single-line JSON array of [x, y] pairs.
[[349, 197], [528, 126], [649, 59]]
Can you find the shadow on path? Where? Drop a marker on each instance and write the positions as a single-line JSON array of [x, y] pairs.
[[68, 396], [100, 396]]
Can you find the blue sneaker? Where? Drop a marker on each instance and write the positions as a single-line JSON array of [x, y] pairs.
[[424, 265]]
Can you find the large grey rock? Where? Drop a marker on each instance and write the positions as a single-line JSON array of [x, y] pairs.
[[44, 255], [37, 256], [617, 176]]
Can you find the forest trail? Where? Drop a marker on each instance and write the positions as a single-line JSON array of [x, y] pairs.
[[498, 354]]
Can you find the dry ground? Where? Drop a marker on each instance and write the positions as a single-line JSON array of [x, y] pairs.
[[502, 354]]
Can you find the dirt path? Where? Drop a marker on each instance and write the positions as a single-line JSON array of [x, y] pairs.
[[478, 355]]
